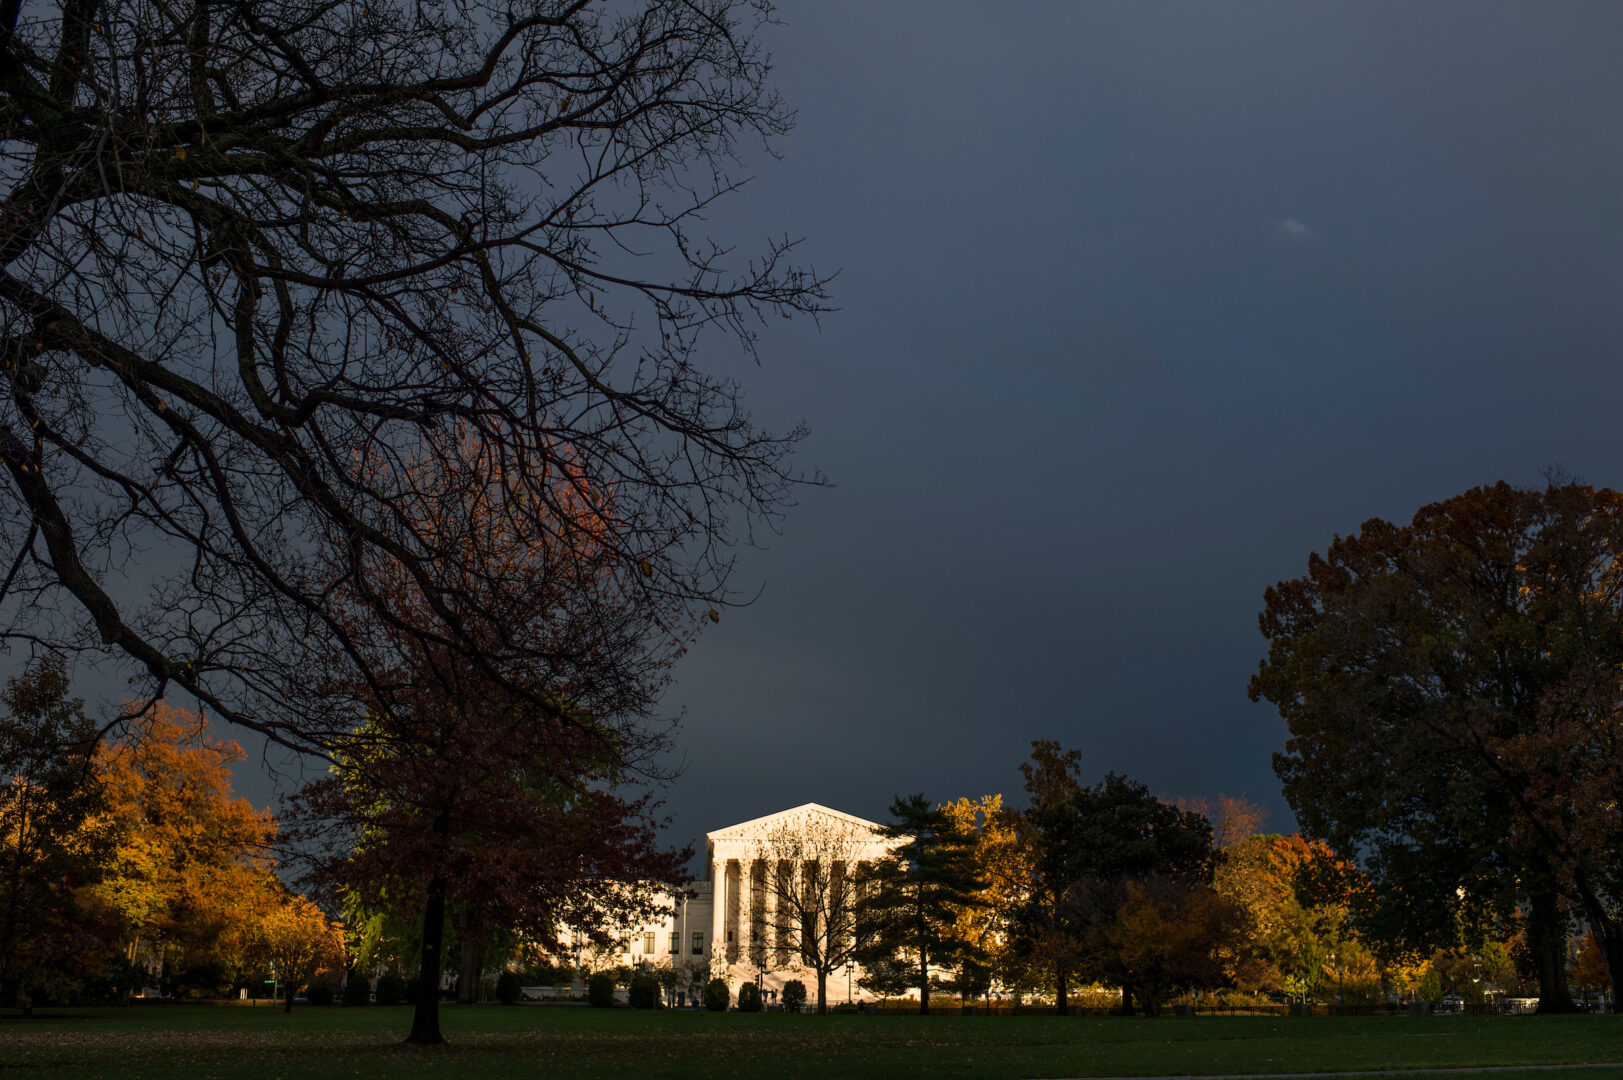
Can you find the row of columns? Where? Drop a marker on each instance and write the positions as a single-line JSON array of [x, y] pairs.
[[762, 937]]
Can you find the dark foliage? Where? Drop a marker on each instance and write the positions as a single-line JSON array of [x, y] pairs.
[[391, 989], [600, 990], [114, 984], [716, 995], [507, 988], [749, 998], [794, 995], [1093, 845], [357, 989], [643, 992], [1451, 688], [909, 915], [49, 853]]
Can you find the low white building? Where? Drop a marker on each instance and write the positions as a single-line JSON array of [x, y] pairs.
[[775, 890]]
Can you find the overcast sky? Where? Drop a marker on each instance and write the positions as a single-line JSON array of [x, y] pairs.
[[1140, 304]]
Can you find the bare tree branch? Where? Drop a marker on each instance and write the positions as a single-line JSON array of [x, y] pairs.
[[266, 266]]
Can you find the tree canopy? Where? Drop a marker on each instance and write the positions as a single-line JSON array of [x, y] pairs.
[[1109, 858], [128, 862], [1451, 688], [51, 850], [912, 898], [459, 794]]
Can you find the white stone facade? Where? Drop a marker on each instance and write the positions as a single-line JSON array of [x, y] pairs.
[[729, 924]]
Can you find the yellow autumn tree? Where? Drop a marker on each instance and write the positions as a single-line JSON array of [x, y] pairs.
[[296, 941], [1003, 861], [1304, 945], [190, 872], [1589, 975]]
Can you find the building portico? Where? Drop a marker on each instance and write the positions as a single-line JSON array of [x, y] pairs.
[[768, 883], [778, 877]]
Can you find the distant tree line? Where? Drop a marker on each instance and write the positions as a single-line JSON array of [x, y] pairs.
[[1133, 901], [129, 864]]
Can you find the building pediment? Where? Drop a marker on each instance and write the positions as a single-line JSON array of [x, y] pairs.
[[796, 819]]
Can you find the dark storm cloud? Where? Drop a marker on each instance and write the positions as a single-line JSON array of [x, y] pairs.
[[1141, 303]]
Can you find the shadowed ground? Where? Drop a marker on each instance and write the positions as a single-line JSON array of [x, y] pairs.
[[182, 1042]]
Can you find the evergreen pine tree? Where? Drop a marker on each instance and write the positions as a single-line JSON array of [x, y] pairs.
[[909, 912]]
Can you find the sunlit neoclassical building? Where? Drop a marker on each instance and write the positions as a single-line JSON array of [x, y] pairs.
[[765, 882]]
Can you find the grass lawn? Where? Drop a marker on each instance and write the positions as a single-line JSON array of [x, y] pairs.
[[182, 1042]]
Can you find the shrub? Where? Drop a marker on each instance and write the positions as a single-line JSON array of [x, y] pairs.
[[749, 998], [115, 984], [644, 992], [391, 990], [507, 988], [202, 980], [543, 973], [716, 995], [600, 990], [321, 993], [794, 995], [357, 989]]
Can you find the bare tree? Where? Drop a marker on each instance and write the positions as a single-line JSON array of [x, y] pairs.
[[264, 263], [810, 873]]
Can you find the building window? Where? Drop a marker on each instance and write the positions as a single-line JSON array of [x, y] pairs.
[[625, 944], [648, 942], [698, 942], [676, 942]]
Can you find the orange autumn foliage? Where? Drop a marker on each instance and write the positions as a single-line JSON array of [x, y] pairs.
[[297, 941], [191, 872]]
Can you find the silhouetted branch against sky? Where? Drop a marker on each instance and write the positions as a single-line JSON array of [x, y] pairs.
[[273, 270]]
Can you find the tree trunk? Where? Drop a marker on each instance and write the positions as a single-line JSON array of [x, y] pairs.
[[1611, 944], [822, 992], [1127, 999], [425, 1021], [1547, 937], [287, 997], [9, 930], [924, 981], [471, 968], [1608, 933], [468, 982], [1062, 989]]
